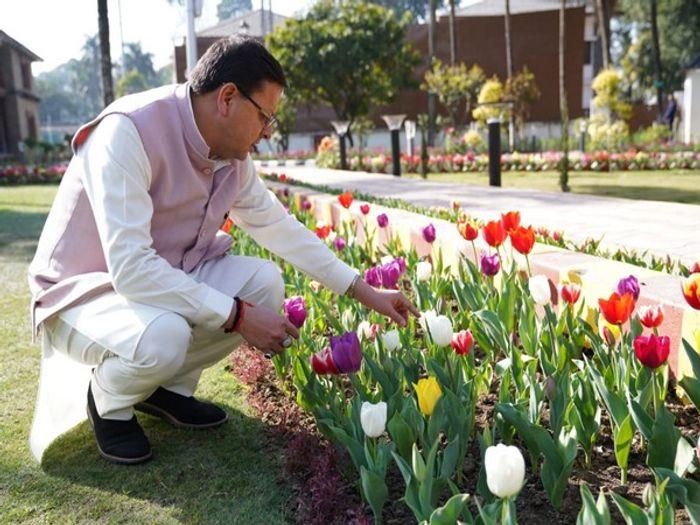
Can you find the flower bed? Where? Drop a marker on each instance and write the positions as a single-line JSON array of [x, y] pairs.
[[581, 389], [24, 174]]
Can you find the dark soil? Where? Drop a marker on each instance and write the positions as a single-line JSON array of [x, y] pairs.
[[325, 486]]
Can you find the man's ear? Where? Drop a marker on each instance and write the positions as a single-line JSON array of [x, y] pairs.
[[225, 94]]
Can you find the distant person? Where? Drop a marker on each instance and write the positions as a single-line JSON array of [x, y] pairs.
[[132, 283], [671, 110]]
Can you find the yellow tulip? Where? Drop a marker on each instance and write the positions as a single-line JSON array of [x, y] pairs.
[[429, 392]]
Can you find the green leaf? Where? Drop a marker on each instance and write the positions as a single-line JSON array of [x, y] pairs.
[[633, 514], [450, 512], [622, 437], [691, 385], [375, 491], [616, 406], [686, 491], [593, 513], [402, 434], [664, 440], [641, 418]]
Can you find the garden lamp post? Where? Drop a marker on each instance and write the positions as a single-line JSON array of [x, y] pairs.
[[582, 131], [341, 128], [494, 125], [394, 122], [410, 127]]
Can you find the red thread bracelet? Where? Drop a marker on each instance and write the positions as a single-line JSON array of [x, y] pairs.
[[241, 316]]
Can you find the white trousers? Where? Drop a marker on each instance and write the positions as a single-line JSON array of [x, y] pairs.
[[135, 348]]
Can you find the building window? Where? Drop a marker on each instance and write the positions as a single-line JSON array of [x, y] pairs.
[[26, 76]]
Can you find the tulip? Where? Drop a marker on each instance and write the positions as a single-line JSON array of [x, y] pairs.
[[455, 205], [364, 330], [382, 220], [609, 332], [462, 342], [494, 233], [391, 340], [651, 316], [347, 355], [617, 309], [652, 351], [315, 286], [282, 177], [295, 310], [467, 230], [429, 233], [306, 205], [345, 199], [571, 293], [402, 264], [557, 236], [389, 274], [629, 284], [364, 208], [339, 244], [490, 265], [539, 289], [695, 268], [522, 239], [373, 418], [510, 220], [373, 277], [428, 391], [691, 290], [322, 362], [423, 270], [323, 231], [438, 326], [505, 470]]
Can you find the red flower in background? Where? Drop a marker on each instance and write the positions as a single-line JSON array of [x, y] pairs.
[[467, 229], [651, 316], [345, 199], [522, 239], [323, 231], [364, 209], [652, 351], [617, 309], [571, 292], [510, 220], [494, 233], [691, 290], [462, 342]]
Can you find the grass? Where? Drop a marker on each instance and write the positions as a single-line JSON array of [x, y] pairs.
[[229, 475], [661, 185]]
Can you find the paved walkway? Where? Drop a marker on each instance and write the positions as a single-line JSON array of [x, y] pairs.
[[661, 228]]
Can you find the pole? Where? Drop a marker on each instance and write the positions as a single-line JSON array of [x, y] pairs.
[[494, 125], [343, 158], [396, 152], [191, 41]]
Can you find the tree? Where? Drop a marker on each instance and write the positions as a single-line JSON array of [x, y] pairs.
[[351, 56], [509, 44], [136, 59], [521, 89], [603, 16], [231, 8], [454, 86], [286, 119], [432, 46], [453, 34], [658, 81], [417, 8], [563, 106], [490, 99], [132, 82], [105, 57]]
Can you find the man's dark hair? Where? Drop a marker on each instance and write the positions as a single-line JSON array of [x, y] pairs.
[[240, 59]]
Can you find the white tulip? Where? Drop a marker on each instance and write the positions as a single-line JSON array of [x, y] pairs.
[[539, 289], [373, 418], [439, 327], [391, 340], [423, 270], [364, 330], [505, 470]]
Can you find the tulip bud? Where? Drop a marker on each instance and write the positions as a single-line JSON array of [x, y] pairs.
[[429, 392], [648, 495], [423, 270], [539, 289], [429, 233], [295, 310], [382, 220], [651, 316], [695, 268], [373, 418], [505, 470], [347, 318], [550, 388], [391, 340], [438, 326], [364, 330], [364, 208], [462, 342]]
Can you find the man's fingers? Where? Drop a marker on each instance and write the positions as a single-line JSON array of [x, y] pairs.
[[397, 317], [291, 329]]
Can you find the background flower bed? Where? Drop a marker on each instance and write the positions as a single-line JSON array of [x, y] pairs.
[[13, 174], [329, 315]]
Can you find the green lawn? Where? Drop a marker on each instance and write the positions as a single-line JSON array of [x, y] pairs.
[[229, 475], [666, 185]]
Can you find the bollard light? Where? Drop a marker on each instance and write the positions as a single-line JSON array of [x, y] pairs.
[[582, 131], [394, 122], [341, 128], [494, 125]]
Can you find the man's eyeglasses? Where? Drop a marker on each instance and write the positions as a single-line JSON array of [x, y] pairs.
[[270, 120]]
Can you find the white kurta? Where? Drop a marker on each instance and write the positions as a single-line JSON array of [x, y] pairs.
[[117, 173]]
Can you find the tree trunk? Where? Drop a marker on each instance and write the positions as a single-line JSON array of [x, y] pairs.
[[453, 34], [604, 30], [432, 44], [657, 60], [105, 57], [509, 44], [563, 106]]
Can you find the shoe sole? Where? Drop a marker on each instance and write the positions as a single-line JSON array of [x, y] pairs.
[[159, 412], [117, 459]]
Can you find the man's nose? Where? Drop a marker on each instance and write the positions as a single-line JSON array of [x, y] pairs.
[[266, 133]]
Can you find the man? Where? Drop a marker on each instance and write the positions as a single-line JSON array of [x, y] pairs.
[[671, 110], [131, 279]]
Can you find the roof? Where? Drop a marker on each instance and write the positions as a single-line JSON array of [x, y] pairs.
[[234, 25], [8, 40], [498, 7]]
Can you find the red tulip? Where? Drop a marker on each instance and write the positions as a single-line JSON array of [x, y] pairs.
[[345, 199], [616, 309], [226, 226], [282, 177], [462, 342], [651, 316], [467, 230], [364, 209], [322, 362], [652, 351], [511, 220], [695, 268], [522, 239], [571, 293], [494, 233], [691, 290], [323, 231]]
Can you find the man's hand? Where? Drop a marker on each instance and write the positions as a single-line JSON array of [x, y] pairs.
[[391, 303], [264, 329]]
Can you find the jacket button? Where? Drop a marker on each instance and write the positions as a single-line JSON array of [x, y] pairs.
[[206, 171]]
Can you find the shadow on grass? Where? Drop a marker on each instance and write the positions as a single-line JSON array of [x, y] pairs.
[[207, 476], [655, 193], [21, 230]]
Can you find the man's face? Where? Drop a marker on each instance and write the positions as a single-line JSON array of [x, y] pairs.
[[241, 124]]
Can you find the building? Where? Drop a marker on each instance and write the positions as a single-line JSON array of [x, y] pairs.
[[19, 104]]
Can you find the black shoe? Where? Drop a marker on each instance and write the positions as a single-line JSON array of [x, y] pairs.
[[117, 440], [181, 411]]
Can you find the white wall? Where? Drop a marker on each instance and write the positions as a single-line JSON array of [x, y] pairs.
[[691, 106]]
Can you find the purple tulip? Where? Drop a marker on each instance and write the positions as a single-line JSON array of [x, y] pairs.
[[429, 233], [346, 352], [382, 220], [306, 205], [490, 264], [390, 273], [373, 277], [629, 284], [295, 310], [339, 243]]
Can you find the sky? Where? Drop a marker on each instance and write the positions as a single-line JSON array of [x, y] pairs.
[[56, 29]]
